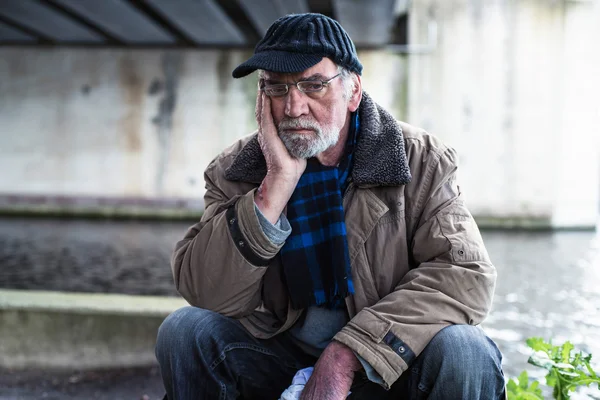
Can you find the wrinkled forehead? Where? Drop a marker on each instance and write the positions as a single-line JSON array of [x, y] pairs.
[[324, 69]]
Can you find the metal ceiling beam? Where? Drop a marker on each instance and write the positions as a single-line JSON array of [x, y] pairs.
[[40, 37], [324, 7], [240, 19], [116, 19], [47, 21], [189, 23], [13, 35], [108, 37], [264, 12], [369, 23], [200, 20]]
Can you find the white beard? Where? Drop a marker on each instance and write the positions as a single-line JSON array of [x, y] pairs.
[[302, 145]]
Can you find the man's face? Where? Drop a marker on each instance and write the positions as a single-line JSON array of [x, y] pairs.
[[309, 123]]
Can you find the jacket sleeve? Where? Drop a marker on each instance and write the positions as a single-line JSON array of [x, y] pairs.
[[453, 281], [220, 263]]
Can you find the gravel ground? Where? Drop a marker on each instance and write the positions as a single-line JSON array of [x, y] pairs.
[[129, 384]]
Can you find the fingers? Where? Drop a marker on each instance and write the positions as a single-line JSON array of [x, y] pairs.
[[258, 107], [266, 116]]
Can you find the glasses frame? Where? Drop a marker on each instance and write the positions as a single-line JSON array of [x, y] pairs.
[[324, 84]]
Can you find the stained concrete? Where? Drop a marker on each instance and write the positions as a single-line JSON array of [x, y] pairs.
[[512, 85], [51, 330]]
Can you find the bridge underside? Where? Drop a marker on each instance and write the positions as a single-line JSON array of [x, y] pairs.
[[187, 23]]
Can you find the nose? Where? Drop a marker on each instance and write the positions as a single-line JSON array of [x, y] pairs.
[[295, 102]]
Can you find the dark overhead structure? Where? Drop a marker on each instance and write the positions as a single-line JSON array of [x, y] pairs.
[[187, 23]]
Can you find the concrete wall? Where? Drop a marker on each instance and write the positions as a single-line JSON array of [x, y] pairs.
[[116, 122], [512, 85], [88, 123]]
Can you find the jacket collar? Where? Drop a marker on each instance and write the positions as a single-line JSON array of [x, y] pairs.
[[380, 154]]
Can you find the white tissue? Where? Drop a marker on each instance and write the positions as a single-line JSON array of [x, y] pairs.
[[295, 389], [297, 386]]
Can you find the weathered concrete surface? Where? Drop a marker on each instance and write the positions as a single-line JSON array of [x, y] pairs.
[[116, 123], [114, 384], [513, 86], [71, 330], [101, 207]]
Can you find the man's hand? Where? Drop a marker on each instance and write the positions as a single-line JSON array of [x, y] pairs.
[[279, 161], [333, 374], [283, 170]]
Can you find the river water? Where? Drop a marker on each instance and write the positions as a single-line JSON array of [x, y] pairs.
[[548, 282]]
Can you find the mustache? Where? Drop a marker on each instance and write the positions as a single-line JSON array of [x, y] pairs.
[[299, 123]]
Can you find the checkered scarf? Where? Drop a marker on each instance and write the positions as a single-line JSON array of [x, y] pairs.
[[315, 257]]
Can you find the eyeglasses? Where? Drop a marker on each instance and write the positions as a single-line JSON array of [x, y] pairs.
[[281, 89]]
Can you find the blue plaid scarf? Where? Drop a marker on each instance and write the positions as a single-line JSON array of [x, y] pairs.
[[315, 257]]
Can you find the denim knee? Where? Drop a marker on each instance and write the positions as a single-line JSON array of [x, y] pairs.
[[466, 348], [460, 362], [183, 328]]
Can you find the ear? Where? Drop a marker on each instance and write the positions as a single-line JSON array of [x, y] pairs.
[[356, 94]]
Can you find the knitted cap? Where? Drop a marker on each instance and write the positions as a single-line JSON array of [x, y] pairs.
[[297, 42]]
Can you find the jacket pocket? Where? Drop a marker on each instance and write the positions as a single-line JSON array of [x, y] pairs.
[[365, 291], [369, 323], [386, 253]]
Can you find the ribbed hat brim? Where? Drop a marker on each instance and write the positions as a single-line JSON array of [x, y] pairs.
[[283, 62]]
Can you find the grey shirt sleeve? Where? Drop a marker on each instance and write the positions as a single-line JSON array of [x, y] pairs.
[[277, 233], [370, 371]]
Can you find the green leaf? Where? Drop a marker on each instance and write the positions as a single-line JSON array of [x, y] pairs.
[[538, 344], [568, 373], [550, 380], [586, 362], [564, 366], [530, 396], [541, 359], [520, 389], [566, 352], [586, 381], [523, 380]]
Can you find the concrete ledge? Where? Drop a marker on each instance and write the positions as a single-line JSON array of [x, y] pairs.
[[513, 222], [77, 330], [100, 207], [532, 223]]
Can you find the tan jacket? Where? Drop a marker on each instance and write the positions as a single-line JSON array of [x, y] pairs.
[[418, 261]]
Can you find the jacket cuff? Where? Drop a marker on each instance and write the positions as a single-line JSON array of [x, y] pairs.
[[247, 234], [278, 232], [371, 338]]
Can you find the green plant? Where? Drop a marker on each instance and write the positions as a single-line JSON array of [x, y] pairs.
[[522, 390], [567, 370]]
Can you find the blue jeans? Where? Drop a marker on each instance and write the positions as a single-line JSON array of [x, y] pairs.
[[204, 355]]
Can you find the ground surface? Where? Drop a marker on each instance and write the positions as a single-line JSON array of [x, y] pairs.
[[130, 384]]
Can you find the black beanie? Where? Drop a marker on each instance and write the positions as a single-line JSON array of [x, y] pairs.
[[297, 42]]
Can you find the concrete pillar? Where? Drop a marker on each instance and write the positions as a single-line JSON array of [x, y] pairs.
[[577, 185], [512, 87]]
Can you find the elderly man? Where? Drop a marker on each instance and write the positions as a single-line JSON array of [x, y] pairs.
[[334, 237]]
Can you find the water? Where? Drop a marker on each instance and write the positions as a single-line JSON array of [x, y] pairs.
[[548, 286], [548, 282]]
